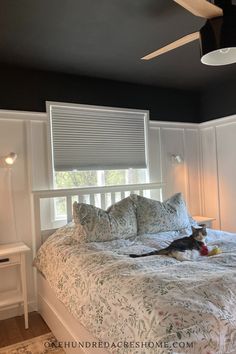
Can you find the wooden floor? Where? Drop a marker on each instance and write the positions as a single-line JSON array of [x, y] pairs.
[[13, 330]]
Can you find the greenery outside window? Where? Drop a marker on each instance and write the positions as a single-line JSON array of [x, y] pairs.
[[78, 179]]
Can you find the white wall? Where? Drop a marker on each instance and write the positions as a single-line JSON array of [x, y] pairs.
[[167, 139], [23, 133], [26, 134], [207, 178], [219, 171]]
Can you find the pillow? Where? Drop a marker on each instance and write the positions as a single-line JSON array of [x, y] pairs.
[[188, 230], [119, 221], [154, 216]]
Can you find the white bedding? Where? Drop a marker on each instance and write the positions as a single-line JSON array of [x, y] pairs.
[[174, 307]]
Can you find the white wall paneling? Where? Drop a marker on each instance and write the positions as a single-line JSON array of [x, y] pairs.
[[15, 189], [39, 151], [209, 175], [208, 162], [226, 144], [155, 165], [167, 139], [193, 167], [219, 171], [174, 174]]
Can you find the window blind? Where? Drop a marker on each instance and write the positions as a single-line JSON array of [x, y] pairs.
[[97, 138]]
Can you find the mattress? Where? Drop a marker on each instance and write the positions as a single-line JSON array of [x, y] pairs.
[[146, 305]]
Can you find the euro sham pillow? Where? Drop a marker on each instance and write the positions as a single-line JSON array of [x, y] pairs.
[[154, 216], [119, 221]]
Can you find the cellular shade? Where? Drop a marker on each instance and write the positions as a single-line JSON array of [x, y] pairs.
[[96, 138]]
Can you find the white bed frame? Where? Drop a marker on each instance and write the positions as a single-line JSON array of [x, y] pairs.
[[64, 326]]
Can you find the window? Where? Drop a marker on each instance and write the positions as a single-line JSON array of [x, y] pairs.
[[96, 146], [73, 179], [76, 179]]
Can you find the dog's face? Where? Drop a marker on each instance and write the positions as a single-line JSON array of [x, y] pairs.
[[200, 233]]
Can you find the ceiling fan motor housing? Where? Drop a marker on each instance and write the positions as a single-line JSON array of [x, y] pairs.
[[218, 39]]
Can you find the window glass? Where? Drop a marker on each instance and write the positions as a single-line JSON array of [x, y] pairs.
[[77, 179]]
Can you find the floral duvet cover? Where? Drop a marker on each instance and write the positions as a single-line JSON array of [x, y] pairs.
[[151, 305]]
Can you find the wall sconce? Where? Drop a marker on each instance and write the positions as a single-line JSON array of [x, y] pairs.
[[9, 160], [177, 159]]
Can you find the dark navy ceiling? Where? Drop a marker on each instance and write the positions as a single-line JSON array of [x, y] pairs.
[[89, 52]]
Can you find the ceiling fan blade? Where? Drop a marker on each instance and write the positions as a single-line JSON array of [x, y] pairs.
[[201, 8], [182, 41]]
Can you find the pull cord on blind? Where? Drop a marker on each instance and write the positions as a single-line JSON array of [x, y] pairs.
[[97, 138]]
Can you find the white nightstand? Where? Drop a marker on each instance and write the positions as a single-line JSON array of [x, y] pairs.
[[203, 220], [13, 254]]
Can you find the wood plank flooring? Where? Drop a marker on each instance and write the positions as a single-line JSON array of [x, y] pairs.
[[13, 329]]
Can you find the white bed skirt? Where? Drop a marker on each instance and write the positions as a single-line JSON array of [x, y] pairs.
[[70, 333]]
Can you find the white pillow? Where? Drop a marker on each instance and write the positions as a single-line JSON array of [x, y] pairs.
[[119, 221], [154, 216]]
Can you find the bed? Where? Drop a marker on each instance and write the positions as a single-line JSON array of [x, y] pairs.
[[97, 299]]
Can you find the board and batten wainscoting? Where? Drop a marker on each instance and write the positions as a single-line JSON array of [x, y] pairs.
[[167, 139], [218, 143], [26, 134]]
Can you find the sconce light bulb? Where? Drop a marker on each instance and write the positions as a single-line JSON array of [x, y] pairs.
[[177, 159], [11, 158]]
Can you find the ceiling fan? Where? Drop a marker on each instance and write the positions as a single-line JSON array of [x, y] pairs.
[[217, 37]]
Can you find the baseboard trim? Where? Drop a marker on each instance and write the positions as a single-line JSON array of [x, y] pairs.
[[16, 310]]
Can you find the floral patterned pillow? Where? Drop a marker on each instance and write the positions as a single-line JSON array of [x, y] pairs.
[[119, 221], [154, 216]]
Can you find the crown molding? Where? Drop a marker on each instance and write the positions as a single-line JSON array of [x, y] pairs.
[[218, 121], [23, 115], [169, 124], [42, 117]]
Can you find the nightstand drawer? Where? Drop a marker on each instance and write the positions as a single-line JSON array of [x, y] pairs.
[[9, 260]]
